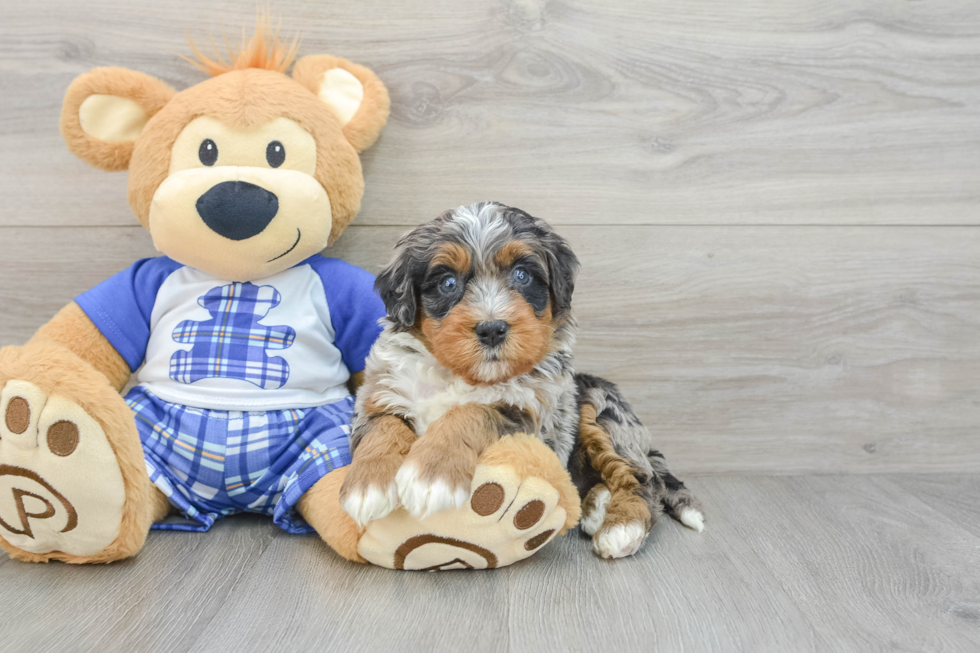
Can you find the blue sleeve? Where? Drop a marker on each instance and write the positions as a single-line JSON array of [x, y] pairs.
[[355, 308], [121, 306]]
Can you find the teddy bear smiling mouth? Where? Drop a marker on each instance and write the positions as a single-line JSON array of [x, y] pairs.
[[298, 236]]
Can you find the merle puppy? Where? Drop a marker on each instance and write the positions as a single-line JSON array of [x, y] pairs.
[[478, 344]]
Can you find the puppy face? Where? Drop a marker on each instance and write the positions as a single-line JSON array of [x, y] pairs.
[[484, 287]]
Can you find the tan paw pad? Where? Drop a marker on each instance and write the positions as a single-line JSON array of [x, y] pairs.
[[61, 488], [506, 519]]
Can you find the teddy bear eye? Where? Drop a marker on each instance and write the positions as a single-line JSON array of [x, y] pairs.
[[275, 154], [208, 152]]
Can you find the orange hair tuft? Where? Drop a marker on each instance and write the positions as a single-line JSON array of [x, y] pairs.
[[264, 50]]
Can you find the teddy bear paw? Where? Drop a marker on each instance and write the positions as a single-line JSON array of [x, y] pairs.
[[61, 488], [507, 517]]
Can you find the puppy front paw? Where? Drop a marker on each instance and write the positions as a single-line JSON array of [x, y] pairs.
[[369, 503], [369, 491], [425, 494]]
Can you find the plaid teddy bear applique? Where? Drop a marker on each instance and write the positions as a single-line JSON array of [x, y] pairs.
[[232, 344]]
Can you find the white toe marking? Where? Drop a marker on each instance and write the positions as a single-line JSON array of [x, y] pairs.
[[593, 521], [692, 518], [620, 540], [373, 504], [423, 498]]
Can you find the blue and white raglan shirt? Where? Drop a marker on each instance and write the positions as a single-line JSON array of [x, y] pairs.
[[290, 340], [242, 403]]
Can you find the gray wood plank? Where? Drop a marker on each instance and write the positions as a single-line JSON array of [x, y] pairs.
[[682, 592], [871, 567], [841, 563], [301, 596], [634, 112], [161, 600], [764, 349], [956, 497], [673, 596]]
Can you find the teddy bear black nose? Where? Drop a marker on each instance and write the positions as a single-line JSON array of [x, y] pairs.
[[237, 209]]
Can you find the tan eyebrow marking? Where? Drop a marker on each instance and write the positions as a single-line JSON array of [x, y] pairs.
[[512, 251], [452, 255]]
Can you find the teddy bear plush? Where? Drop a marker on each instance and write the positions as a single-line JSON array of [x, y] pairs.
[[245, 341]]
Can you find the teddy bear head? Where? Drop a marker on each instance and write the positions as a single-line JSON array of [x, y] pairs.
[[242, 175]]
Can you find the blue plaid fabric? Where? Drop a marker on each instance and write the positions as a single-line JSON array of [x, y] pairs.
[[212, 463], [232, 344]]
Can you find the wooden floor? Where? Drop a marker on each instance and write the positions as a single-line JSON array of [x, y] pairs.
[[819, 563], [777, 205]]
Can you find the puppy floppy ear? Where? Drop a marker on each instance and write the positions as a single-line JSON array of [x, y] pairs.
[[563, 267], [354, 94], [104, 112], [398, 284]]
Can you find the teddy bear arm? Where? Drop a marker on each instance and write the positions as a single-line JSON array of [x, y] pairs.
[[72, 329]]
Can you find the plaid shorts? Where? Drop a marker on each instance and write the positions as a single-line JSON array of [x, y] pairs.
[[212, 463]]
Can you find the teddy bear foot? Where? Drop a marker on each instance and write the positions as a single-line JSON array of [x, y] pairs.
[[51, 453], [64, 494], [521, 498]]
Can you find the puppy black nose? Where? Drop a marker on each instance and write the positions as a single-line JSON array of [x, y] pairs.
[[492, 333], [237, 209]]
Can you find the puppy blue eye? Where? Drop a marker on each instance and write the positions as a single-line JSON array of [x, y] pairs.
[[448, 284], [521, 276]]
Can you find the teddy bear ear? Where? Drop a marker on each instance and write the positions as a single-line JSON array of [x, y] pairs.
[[104, 112], [354, 94]]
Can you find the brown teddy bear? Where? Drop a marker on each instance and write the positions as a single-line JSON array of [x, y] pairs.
[[246, 343]]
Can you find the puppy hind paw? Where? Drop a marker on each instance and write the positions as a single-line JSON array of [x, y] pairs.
[[619, 540]]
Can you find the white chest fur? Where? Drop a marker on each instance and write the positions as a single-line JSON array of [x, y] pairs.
[[410, 382]]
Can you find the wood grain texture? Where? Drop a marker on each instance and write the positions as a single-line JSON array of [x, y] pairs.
[[319, 602], [745, 349], [957, 496], [160, 600], [871, 566], [633, 112], [829, 563]]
